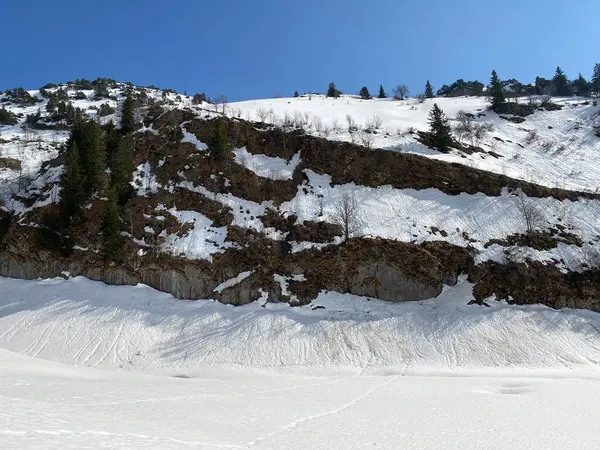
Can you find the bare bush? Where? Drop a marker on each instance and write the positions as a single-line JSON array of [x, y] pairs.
[[377, 121], [365, 138], [400, 92], [306, 116], [529, 211], [262, 114], [346, 213], [464, 128], [351, 123], [298, 120], [548, 145], [531, 137], [335, 126], [220, 104], [317, 124]]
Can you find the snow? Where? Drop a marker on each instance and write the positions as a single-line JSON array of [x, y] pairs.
[[358, 374], [192, 139], [233, 281], [408, 215], [81, 322], [267, 166], [144, 180], [563, 154], [199, 242]]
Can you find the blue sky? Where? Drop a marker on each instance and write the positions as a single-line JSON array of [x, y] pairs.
[[254, 49]]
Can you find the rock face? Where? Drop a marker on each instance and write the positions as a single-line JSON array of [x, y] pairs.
[[376, 268]]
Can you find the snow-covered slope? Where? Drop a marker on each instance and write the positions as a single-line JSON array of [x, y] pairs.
[[551, 148], [90, 324]]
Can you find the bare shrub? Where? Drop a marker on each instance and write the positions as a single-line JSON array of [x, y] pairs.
[[335, 126], [365, 138], [464, 128], [377, 121], [262, 114], [548, 145], [317, 124], [220, 104], [346, 213], [529, 211], [400, 92], [298, 120], [306, 116], [351, 123], [531, 137]]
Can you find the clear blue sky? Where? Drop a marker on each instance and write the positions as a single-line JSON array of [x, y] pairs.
[[253, 49]]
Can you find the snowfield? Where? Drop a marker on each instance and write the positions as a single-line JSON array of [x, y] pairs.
[[355, 374]]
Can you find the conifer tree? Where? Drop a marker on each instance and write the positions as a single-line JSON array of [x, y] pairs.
[[112, 241], [127, 115], [561, 83], [382, 93], [332, 91], [51, 105], [596, 80], [582, 87], [72, 194], [296, 95], [219, 147], [122, 172], [496, 93], [439, 127], [364, 93], [93, 157], [428, 90]]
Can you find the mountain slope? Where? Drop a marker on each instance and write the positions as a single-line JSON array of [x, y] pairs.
[[265, 221]]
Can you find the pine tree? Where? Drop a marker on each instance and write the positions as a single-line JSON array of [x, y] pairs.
[[364, 93], [439, 127], [112, 241], [496, 93], [428, 90], [382, 93], [127, 115], [596, 80], [93, 157], [332, 91], [72, 194], [219, 147], [561, 83], [122, 172], [51, 105], [296, 95], [582, 87]]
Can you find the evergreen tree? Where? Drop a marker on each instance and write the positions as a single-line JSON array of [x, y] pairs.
[[219, 147], [72, 194], [439, 127], [428, 90], [332, 91], [561, 83], [112, 241], [127, 115], [496, 93], [122, 173], [51, 105], [596, 80], [111, 139], [93, 157], [364, 93], [582, 87], [382, 93], [296, 95]]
